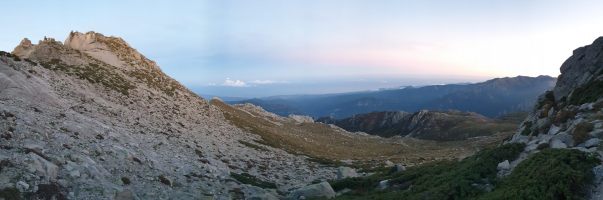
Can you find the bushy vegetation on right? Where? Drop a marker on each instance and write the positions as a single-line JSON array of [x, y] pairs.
[[549, 174]]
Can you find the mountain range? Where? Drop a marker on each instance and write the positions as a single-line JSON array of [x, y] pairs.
[[424, 124], [491, 98]]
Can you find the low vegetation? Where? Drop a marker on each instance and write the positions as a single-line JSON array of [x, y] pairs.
[[93, 73], [527, 128], [327, 146], [587, 93], [549, 174]]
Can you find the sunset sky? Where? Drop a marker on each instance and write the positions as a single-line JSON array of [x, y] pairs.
[[269, 47]]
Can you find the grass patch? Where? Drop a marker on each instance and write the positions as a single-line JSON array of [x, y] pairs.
[[246, 178], [253, 146]]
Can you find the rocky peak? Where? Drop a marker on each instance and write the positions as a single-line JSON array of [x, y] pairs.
[[24, 48], [110, 49]]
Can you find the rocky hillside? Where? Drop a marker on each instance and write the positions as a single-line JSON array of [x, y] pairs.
[[491, 98], [92, 118], [555, 154], [430, 125], [571, 115]]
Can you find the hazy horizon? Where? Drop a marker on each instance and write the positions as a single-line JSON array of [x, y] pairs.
[[269, 47]]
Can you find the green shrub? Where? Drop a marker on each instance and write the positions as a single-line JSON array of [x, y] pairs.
[[549, 174], [246, 178], [587, 93], [440, 180], [10, 193], [528, 128]]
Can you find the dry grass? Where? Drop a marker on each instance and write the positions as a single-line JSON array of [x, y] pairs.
[[321, 142]]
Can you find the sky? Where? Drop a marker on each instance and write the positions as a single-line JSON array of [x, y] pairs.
[[254, 48]]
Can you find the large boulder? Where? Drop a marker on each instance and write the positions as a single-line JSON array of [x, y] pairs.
[[319, 190]]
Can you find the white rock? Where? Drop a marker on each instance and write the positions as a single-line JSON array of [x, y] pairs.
[[301, 119], [384, 184], [504, 165], [22, 186], [346, 172], [557, 144], [554, 130]]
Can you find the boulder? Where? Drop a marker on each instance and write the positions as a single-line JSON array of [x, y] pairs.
[[557, 144], [504, 165], [593, 142], [346, 172], [565, 138], [319, 190]]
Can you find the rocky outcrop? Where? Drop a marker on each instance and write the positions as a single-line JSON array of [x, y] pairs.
[[571, 115], [301, 119], [24, 48], [582, 68]]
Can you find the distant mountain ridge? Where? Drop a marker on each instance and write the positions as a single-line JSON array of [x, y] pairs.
[[424, 124], [491, 98]]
